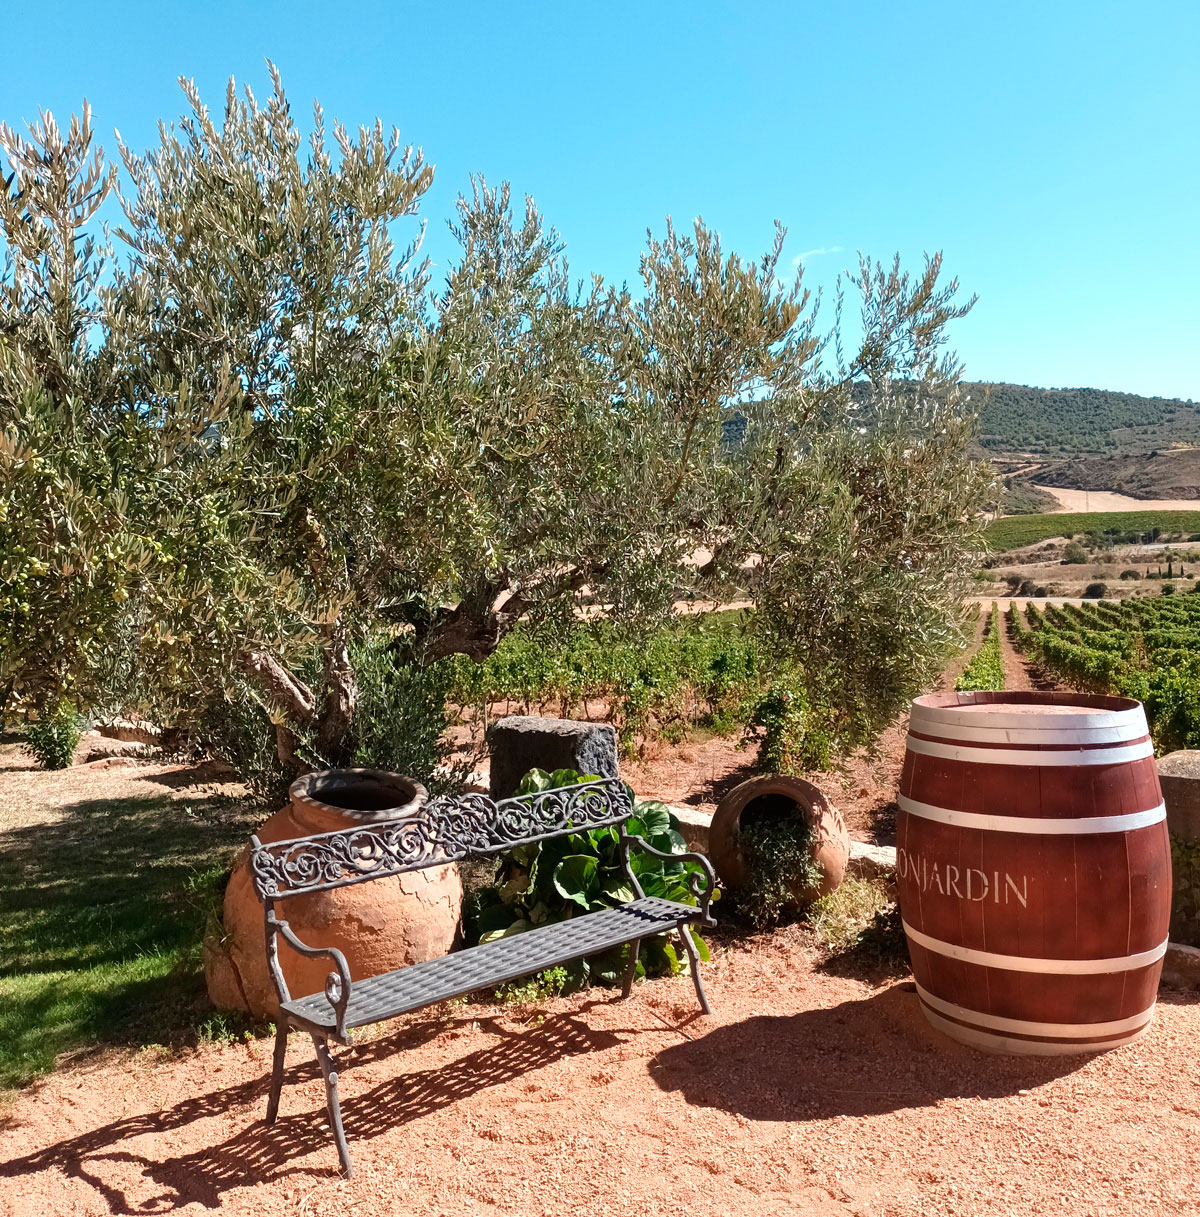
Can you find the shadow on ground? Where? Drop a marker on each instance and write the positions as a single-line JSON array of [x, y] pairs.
[[101, 915], [259, 1154], [865, 1057], [715, 790]]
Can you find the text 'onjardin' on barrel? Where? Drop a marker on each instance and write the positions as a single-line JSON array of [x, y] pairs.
[[1033, 869]]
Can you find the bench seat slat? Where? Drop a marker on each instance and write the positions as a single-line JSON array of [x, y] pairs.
[[374, 998]]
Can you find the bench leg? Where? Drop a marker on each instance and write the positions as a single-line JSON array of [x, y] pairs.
[[694, 960], [281, 1034], [631, 971], [329, 1072]]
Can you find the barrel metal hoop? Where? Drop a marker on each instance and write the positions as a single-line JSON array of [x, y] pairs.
[[1051, 827], [1060, 758], [989, 1042], [1034, 963], [1022, 1026], [981, 733], [933, 718]]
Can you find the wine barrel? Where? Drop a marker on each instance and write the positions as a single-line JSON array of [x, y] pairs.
[[1033, 869]]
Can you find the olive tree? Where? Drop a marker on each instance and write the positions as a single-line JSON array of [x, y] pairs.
[[67, 556], [328, 449]]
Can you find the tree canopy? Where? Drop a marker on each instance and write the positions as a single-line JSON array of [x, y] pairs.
[[255, 435]]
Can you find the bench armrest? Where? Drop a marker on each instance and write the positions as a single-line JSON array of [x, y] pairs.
[[337, 983], [701, 883]]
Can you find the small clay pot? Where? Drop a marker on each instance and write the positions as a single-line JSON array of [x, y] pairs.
[[830, 839], [379, 926]]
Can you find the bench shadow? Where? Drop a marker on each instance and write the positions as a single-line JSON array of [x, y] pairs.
[[863, 1058], [260, 1154]]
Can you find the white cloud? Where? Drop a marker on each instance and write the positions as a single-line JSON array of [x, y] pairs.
[[799, 259]]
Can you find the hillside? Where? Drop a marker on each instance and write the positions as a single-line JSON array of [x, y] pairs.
[[1019, 424], [1067, 422], [1159, 475]]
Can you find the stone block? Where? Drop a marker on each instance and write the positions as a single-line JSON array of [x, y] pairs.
[[1179, 776], [1181, 966], [870, 861], [693, 827], [523, 742]]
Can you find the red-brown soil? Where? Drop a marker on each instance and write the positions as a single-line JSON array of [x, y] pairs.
[[806, 1093]]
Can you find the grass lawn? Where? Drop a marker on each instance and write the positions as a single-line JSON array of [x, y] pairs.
[[103, 902], [1011, 532]]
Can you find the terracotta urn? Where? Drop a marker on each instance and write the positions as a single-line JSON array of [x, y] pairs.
[[774, 795], [379, 926]]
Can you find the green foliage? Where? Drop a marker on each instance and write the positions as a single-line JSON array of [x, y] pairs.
[[1061, 422], [54, 735], [1015, 532], [541, 987], [401, 717], [796, 737], [581, 873], [781, 874], [986, 669], [696, 669], [257, 439], [1074, 554], [1148, 649]]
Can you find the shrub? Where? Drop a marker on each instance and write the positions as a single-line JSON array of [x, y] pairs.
[[1074, 553], [1131, 574], [401, 718], [1167, 589], [795, 735], [1095, 591], [53, 737], [777, 848], [1027, 588]]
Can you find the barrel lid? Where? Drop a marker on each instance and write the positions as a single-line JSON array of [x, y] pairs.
[[1048, 712]]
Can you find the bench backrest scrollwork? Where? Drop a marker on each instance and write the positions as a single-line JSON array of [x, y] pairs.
[[444, 830]]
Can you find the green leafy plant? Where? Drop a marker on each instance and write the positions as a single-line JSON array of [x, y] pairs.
[[781, 874], [986, 669], [581, 873], [538, 988], [53, 737], [796, 737]]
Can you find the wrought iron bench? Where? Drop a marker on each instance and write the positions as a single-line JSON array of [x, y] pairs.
[[449, 830]]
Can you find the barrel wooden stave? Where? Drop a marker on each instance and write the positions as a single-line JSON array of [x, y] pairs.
[[1054, 904]]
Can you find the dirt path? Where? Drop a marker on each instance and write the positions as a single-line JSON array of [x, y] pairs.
[[1109, 500], [805, 1094], [1019, 674]]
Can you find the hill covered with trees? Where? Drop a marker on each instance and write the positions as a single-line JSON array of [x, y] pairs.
[[1066, 422]]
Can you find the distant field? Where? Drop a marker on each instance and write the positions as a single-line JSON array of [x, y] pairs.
[[1012, 532]]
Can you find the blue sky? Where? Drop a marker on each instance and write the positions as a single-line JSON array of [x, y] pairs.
[[1051, 150]]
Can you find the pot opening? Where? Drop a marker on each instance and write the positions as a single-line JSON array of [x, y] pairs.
[[362, 798], [365, 795], [766, 809]]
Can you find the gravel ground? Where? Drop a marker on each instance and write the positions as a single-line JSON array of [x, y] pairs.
[[806, 1093]]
